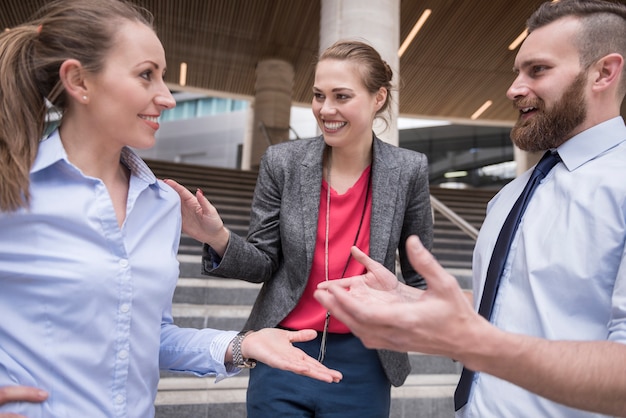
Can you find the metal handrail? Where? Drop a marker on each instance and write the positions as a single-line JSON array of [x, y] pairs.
[[452, 216], [267, 135]]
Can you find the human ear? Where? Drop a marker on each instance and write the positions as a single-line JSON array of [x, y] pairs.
[[72, 75], [381, 98], [608, 70]]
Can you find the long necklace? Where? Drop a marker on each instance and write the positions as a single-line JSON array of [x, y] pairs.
[[322, 352]]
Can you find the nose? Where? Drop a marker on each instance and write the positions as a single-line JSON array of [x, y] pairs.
[[518, 89], [165, 99], [327, 108]]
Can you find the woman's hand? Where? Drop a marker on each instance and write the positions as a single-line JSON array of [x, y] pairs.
[[9, 394], [274, 347], [200, 218]]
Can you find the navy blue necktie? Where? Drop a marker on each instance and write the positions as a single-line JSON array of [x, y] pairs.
[[498, 259]]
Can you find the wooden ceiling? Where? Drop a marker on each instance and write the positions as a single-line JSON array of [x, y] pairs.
[[458, 61]]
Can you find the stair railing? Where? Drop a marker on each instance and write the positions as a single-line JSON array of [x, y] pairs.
[[453, 217]]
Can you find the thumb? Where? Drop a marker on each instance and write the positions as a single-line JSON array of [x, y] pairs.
[[302, 335], [437, 278], [206, 208]]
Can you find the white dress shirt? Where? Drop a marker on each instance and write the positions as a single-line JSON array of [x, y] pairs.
[[565, 277]]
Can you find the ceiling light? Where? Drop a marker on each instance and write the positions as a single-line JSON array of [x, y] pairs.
[[416, 28], [518, 40], [183, 74], [455, 174], [481, 109], [521, 36]]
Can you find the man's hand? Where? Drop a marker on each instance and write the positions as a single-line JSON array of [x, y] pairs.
[[385, 313]]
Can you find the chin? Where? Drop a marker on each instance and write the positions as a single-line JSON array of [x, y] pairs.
[[143, 145]]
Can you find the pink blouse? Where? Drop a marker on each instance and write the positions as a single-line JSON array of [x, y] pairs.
[[346, 211]]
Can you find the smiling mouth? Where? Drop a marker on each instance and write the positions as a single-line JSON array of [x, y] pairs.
[[154, 119], [333, 126]]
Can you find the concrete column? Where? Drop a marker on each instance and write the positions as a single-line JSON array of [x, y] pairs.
[[376, 22], [271, 110]]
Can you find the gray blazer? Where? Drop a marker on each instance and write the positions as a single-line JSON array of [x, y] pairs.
[[278, 251]]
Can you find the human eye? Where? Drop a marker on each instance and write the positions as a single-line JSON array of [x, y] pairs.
[[536, 70], [146, 75], [318, 96]]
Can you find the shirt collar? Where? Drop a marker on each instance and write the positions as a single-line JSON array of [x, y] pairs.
[[51, 151], [592, 142]]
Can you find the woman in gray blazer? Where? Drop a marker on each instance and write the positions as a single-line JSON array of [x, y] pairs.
[[314, 200]]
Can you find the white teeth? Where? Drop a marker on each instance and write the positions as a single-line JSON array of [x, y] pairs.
[[333, 125], [526, 109], [154, 119]]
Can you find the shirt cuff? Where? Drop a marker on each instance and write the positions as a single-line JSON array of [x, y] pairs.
[[218, 349]]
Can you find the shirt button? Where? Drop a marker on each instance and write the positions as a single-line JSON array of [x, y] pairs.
[[123, 354], [124, 308], [124, 262], [119, 399]]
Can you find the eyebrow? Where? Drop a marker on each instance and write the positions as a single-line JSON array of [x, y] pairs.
[[526, 64], [336, 89], [152, 63], [537, 60]]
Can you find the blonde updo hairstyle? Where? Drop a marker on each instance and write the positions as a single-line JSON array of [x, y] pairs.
[[375, 72]]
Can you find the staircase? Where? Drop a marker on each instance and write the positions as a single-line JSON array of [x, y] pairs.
[[453, 247], [203, 301]]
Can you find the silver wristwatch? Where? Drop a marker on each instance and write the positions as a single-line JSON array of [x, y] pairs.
[[238, 360]]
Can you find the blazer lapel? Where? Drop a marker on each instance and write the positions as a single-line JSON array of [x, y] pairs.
[[385, 181], [310, 190]]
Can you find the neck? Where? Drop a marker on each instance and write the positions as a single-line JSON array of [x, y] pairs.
[[94, 158], [345, 169], [353, 160]]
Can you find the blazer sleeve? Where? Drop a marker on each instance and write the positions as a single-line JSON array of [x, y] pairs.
[[256, 258]]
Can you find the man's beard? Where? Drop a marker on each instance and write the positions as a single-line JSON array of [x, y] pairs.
[[549, 128]]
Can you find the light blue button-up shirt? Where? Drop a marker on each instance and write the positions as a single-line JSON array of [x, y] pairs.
[[85, 305], [565, 277]]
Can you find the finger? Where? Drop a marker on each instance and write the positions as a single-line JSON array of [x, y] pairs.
[[320, 372], [302, 335], [437, 278], [346, 282], [370, 265], [178, 188], [308, 366], [339, 302], [364, 259], [372, 330], [21, 394], [207, 207]]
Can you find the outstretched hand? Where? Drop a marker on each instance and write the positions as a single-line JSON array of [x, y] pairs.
[[201, 220], [9, 394], [385, 313], [377, 283], [274, 347]]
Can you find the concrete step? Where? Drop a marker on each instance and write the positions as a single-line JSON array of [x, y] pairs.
[[191, 397], [231, 317], [203, 301]]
